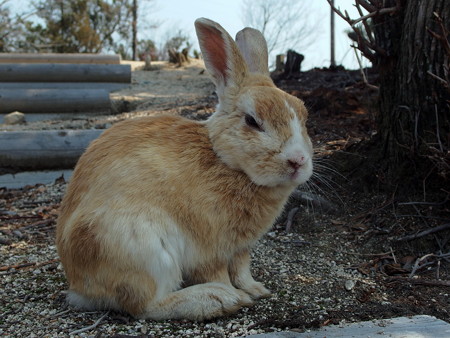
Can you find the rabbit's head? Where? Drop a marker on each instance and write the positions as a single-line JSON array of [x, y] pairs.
[[257, 128]]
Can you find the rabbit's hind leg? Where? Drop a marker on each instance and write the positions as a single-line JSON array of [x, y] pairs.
[[197, 302], [128, 291]]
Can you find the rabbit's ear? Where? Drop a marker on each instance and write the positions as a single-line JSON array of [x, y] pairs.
[[253, 47], [221, 54]]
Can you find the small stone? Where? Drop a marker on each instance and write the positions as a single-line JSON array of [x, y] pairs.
[[271, 234], [349, 284], [4, 241], [18, 234], [14, 118]]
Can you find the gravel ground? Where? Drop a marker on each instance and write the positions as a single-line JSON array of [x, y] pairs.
[[336, 266], [297, 271], [313, 275]]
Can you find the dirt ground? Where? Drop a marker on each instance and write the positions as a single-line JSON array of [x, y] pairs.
[[354, 250]]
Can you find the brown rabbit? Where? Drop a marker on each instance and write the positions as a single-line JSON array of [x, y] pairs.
[[161, 212]]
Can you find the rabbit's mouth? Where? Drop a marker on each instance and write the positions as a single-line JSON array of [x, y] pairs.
[[294, 175], [300, 175]]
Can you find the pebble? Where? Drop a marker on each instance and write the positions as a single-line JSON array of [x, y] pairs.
[[4, 241], [271, 234], [14, 118], [349, 284], [18, 234]]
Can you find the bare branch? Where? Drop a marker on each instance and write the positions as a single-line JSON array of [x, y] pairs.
[[443, 38], [434, 76], [367, 5], [338, 12], [362, 71], [424, 233], [366, 25], [366, 42], [281, 23], [381, 11]]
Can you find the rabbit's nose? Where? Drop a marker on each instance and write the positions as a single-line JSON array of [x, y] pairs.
[[296, 163]]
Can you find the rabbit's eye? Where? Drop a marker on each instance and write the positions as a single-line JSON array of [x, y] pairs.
[[251, 122]]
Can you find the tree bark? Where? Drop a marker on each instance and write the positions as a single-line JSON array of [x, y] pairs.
[[414, 104]]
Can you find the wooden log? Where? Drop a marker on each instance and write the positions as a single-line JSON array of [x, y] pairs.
[[44, 149], [293, 63], [279, 63], [54, 100], [59, 58], [108, 86], [39, 72]]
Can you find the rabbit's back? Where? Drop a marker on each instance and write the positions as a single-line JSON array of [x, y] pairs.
[[168, 207], [113, 219]]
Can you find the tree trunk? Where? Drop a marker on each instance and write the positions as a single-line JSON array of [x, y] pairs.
[[134, 30], [414, 103]]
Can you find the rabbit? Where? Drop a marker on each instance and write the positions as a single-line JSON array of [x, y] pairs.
[[161, 212]]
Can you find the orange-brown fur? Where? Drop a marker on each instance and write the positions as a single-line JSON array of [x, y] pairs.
[[167, 197]]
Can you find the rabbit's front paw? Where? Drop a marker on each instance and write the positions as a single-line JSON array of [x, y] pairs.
[[257, 290], [245, 298]]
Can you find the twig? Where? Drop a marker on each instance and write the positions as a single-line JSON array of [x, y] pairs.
[[290, 218], [61, 313], [38, 224], [416, 264], [361, 254], [26, 265], [424, 233], [8, 218], [419, 281], [438, 137], [90, 327], [426, 203], [16, 266], [424, 216], [393, 255]]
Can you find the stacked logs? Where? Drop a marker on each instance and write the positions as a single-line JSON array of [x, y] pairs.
[[53, 83]]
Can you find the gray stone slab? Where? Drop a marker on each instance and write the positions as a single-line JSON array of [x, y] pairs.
[[402, 327], [23, 179]]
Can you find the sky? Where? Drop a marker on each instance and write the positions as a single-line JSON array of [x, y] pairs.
[[181, 14]]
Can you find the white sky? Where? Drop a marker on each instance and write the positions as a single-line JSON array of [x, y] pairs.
[[181, 14]]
